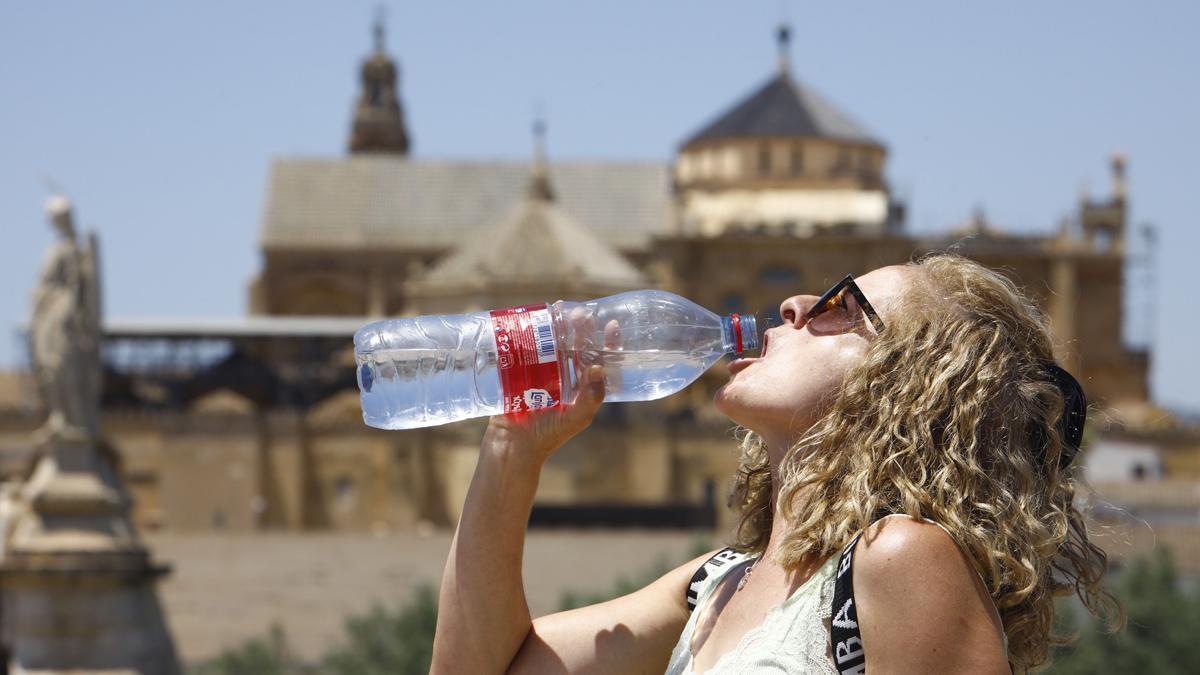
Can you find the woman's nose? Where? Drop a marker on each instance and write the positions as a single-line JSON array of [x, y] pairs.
[[793, 309]]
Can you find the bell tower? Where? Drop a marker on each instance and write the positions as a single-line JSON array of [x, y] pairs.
[[378, 117], [1104, 221]]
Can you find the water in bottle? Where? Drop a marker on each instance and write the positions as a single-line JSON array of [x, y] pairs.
[[429, 370]]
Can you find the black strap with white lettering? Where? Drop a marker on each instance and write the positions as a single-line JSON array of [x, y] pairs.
[[713, 565], [848, 656]]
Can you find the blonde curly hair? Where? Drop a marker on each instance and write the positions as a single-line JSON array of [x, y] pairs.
[[950, 416]]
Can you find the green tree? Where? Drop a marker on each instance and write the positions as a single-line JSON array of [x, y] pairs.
[[383, 642], [1162, 626], [261, 656]]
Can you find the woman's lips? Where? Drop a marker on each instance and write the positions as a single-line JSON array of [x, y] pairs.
[[740, 365], [744, 362]]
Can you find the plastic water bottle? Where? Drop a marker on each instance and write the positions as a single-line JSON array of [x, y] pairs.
[[428, 370]]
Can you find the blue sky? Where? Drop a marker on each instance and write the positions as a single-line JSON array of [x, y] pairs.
[[161, 119]]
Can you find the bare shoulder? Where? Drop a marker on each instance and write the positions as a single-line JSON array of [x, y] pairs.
[[921, 605], [909, 548], [900, 559]]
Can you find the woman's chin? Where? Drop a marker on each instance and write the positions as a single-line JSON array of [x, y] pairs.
[[729, 404]]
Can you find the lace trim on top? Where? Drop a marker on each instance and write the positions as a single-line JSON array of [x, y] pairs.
[[793, 637]]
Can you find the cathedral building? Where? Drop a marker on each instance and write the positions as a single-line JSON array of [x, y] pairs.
[[254, 423]]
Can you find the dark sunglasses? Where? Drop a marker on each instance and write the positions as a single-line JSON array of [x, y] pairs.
[[832, 313], [1074, 416]]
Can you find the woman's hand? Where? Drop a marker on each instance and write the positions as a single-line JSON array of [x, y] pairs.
[[534, 436]]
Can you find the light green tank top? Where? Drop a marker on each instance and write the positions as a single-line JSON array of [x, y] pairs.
[[793, 637]]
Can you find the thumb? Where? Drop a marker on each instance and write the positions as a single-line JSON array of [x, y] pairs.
[[591, 392], [594, 388]]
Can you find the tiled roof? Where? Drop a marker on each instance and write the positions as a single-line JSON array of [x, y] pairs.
[[370, 201], [784, 107], [537, 241], [238, 326]]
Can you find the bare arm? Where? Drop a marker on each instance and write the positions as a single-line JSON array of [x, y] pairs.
[[631, 634], [483, 616], [921, 606], [482, 613]]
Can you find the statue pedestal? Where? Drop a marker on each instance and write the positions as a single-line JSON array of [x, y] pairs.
[[78, 586]]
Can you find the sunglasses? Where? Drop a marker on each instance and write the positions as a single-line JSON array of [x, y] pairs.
[[839, 309]]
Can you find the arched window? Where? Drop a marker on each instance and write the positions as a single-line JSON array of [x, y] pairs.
[[345, 493], [842, 164], [764, 160], [796, 161]]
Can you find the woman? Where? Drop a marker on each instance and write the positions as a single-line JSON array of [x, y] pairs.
[[917, 406]]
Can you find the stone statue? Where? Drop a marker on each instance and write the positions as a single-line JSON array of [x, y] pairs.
[[64, 331], [77, 586]]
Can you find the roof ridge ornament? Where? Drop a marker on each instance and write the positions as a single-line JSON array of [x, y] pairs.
[[539, 176], [783, 38]]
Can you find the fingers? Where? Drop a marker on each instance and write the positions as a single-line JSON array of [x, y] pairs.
[[613, 339], [588, 400], [540, 432], [581, 324]]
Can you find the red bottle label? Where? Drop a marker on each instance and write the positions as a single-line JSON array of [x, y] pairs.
[[527, 357]]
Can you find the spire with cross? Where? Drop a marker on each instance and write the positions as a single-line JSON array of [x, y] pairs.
[[377, 29], [784, 38]]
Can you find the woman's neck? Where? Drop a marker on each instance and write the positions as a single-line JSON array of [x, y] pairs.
[[777, 449], [775, 454]]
